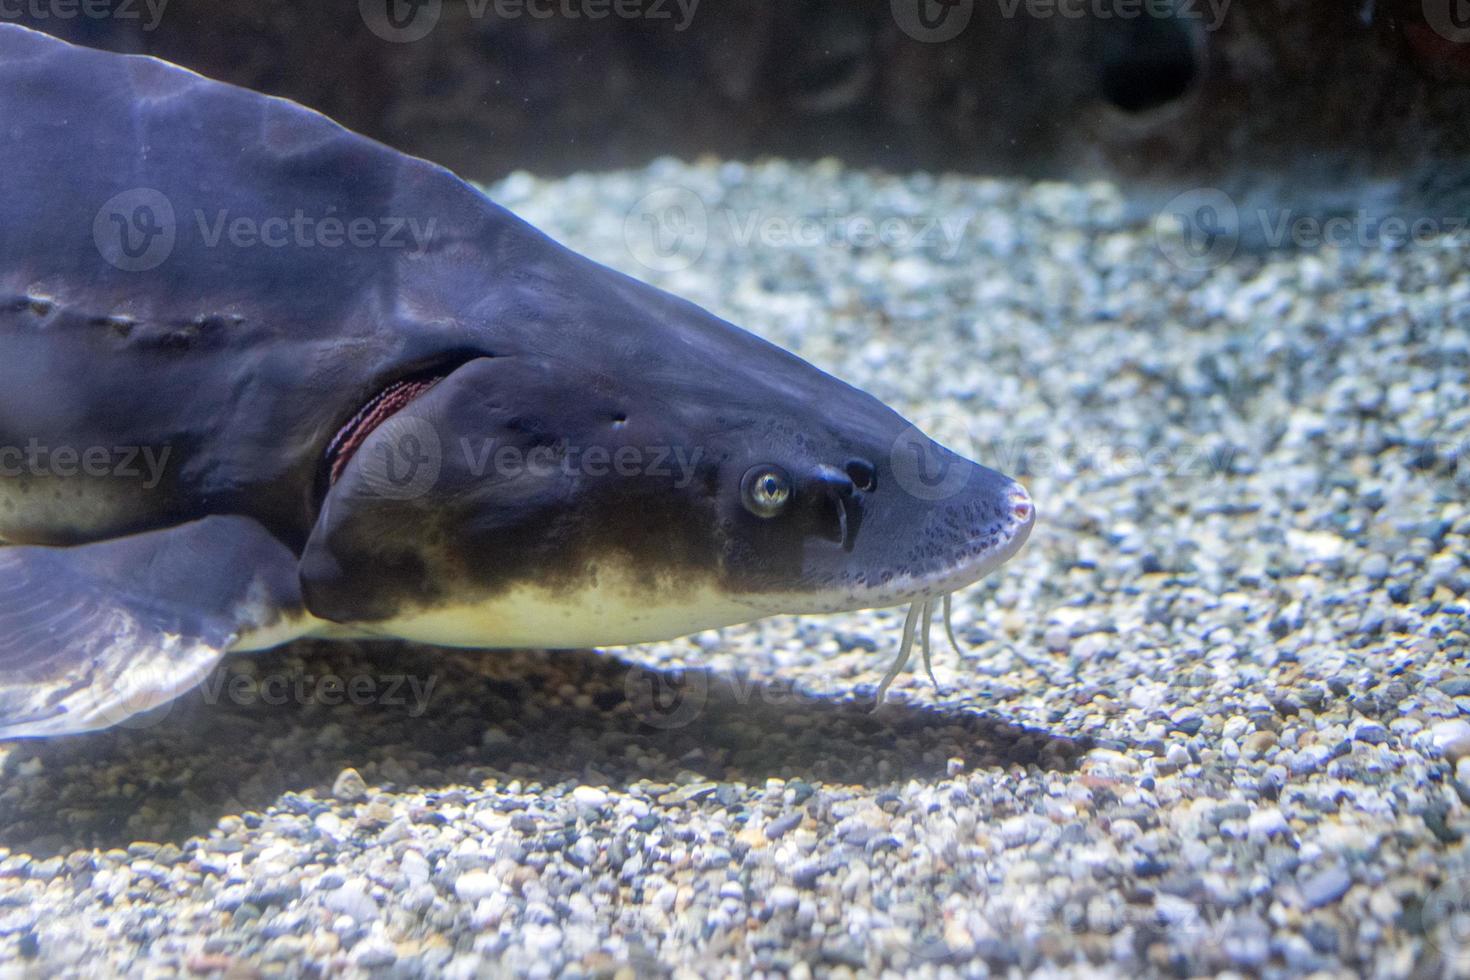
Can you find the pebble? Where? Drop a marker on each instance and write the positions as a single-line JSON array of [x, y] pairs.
[[590, 796], [475, 885], [1258, 744], [353, 900], [1325, 887], [1452, 738], [1267, 823], [415, 867], [784, 897], [349, 786]]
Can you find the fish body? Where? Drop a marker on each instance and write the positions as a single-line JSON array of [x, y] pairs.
[[265, 378]]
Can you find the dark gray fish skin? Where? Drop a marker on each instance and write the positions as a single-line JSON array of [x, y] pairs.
[[241, 359], [245, 361]]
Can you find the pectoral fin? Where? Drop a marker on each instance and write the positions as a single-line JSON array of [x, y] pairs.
[[94, 634]]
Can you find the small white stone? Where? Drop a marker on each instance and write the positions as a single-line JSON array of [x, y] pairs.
[[1266, 823], [352, 900], [664, 898], [1015, 831], [488, 912], [784, 897], [589, 796], [330, 825], [475, 885], [415, 867], [1452, 738]]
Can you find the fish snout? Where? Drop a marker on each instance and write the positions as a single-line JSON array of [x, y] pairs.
[[1018, 514], [1022, 511]]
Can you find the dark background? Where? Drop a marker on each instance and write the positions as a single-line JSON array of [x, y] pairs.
[[1327, 104]]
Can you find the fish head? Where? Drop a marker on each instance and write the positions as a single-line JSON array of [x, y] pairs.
[[638, 470]]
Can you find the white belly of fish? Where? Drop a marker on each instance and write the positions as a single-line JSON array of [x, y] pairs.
[[605, 615]]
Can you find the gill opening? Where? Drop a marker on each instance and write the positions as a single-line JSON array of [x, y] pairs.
[[394, 393]]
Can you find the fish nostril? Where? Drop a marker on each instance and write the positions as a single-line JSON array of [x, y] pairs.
[[1021, 507], [863, 474]]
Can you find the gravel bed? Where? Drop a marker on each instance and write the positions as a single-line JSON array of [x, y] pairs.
[[1212, 718]]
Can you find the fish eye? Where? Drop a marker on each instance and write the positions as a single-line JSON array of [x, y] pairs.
[[765, 490]]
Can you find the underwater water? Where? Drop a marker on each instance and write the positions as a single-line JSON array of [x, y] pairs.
[[1209, 718]]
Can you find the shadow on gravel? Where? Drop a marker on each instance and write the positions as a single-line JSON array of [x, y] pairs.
[[268, 726]]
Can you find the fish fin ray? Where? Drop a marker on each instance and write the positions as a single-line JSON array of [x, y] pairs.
[[95, 634]]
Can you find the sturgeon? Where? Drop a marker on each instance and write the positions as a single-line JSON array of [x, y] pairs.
[[264, 378]]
